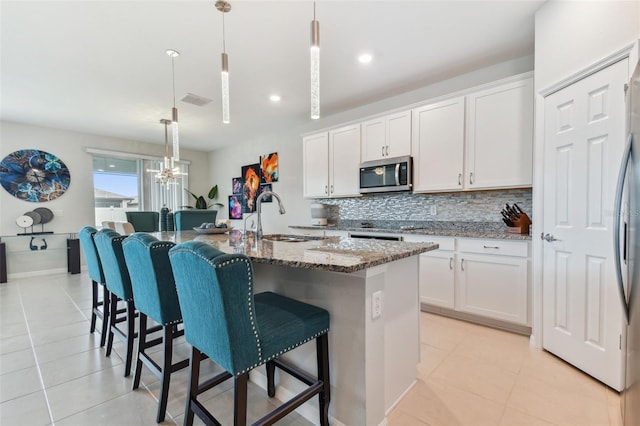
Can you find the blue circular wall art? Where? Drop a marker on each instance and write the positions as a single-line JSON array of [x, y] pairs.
[[34, 175]]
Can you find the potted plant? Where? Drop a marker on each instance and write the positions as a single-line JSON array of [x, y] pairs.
[[201, 202]]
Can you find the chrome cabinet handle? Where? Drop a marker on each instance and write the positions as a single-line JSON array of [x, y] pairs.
[[382, 150], [462, 264], [492, 247], [471, 178], [387, 150], [459, 178], [326, 189], [451, 263], [332, 189]]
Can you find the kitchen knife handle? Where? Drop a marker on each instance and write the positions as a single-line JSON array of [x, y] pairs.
[[459, 179]]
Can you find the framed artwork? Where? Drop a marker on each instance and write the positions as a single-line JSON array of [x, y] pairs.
[[235, 206], [236, 185], [34, 175], [264, 188], [269, 168], [251, 186]]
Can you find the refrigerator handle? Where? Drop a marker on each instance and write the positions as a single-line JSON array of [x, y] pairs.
[[616, 224]]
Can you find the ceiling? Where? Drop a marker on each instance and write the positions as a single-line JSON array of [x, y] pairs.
[[100, 66]]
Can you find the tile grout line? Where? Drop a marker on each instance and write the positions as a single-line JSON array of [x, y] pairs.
[[35, 357]]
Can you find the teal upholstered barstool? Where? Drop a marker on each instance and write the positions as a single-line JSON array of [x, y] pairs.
[[99, 308], [186, 220], [154, 292], [240, 331], [109, 245], [144, 221]]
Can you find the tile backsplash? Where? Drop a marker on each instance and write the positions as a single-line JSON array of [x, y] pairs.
[[476, 206]]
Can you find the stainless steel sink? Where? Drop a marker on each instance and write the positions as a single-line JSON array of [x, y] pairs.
[[291, 238]]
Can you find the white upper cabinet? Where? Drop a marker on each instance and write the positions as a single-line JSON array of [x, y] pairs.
[[344, 161], [388, 136], [331, 163], [482, 140], [500, 136], [438, 146], [315, 165]]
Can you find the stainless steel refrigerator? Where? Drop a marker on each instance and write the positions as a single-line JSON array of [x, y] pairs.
[[627, 246]]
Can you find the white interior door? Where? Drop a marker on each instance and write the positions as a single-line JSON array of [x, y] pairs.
[[584, 140]]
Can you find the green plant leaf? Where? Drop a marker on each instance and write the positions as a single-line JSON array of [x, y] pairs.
[[213, 192], [201, 203], [192, 194]]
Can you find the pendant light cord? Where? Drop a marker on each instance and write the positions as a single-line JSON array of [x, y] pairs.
[[224, 46], [173, 78]]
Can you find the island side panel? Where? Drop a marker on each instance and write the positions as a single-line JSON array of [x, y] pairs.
[[344, 296], [401, 314]]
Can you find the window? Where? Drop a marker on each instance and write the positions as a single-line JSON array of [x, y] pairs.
[[124, 184]]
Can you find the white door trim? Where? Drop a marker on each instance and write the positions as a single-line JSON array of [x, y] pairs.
[[631, 51]]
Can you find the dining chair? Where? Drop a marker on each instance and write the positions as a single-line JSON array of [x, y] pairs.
[[154, 292], [124, 228], [99, 308], [144, 221], [108, 224], [109, 245], [240, 331], [188, 219]]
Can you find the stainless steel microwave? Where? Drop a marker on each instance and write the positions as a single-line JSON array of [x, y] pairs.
[[386, 175]]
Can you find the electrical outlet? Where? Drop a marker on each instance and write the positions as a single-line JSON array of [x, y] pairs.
[[376, 304], [433, 211]]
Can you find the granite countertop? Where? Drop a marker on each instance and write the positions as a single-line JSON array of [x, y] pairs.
[[327, 254], [491, 230]]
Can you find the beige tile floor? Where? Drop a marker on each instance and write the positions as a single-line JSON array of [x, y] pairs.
[[52, 371]]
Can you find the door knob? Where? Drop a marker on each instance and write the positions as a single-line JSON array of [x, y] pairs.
[[548, 237]]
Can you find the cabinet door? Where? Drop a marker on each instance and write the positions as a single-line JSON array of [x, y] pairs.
[[344, 161], [373, 139], [438, 146], [493, 286], [500, 136], [398, 135], [315, 167], [437, 285]]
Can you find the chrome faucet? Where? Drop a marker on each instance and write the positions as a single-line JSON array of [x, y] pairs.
[[259, 210]]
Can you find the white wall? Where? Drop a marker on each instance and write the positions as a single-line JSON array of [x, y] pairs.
[[75, 208], [225, 163], [571, 35]]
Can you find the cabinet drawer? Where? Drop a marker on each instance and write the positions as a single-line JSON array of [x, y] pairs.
[[444, 243], [501, 247]]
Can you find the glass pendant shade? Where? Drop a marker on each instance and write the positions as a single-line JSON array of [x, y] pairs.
[[315, 69], [225, 88], [175, 136]]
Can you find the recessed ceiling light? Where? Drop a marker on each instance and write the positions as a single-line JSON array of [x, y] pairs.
[[365, 58], [274, 98], [112, 165]]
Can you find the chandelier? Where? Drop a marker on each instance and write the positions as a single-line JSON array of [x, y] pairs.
[[169, 171]]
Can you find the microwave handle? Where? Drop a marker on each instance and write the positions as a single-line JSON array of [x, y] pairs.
[[397, 174]]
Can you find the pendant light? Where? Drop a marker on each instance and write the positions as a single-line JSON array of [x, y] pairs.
[[168, 172], [315, 66], [224, 7], [174, 111]]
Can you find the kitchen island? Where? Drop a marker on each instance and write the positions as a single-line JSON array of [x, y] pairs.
[[370, 289]]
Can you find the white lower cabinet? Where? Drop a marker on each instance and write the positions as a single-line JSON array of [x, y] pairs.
[[487, 278]]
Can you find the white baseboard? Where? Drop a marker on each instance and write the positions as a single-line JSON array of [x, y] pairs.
[[36, 273]]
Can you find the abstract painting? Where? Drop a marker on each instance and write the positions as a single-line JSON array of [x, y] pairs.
[[34, 175], [264, 188], [236, 185], [235, 206], [269, 168], [251, 186]]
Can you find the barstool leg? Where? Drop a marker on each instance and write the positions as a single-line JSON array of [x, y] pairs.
[[192, 394], [240, 400], [271, 387], [322, 351], [112, 321], [131, 322], [142, 340], [106, 298], [94, 305], [166, 371]]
